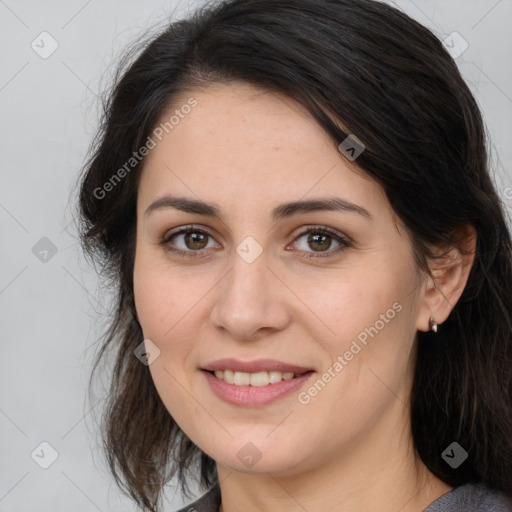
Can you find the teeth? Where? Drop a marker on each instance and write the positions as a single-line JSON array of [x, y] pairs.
[[254, 379]]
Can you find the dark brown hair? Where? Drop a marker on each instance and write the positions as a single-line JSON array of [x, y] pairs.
[[388, 80]]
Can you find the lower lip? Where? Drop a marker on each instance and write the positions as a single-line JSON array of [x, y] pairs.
[[254, 396]]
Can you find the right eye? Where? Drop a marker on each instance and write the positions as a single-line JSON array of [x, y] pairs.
[[193, 241]]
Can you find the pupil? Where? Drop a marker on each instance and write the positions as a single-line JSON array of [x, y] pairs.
[[195, 240], [316, 237]]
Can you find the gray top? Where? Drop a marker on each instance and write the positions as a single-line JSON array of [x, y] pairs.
[[466, 498]]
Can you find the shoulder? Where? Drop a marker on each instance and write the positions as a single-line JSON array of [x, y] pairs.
[[208, 502], [472, 498], [466, 498]]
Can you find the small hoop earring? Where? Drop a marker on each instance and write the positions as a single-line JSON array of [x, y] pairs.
[[433, 325]]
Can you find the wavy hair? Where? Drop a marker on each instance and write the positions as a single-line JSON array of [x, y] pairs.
[[390, 81]]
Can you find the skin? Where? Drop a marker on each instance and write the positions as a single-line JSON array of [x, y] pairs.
[[350, 448]]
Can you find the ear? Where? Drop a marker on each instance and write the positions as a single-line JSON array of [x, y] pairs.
[[450, 270]]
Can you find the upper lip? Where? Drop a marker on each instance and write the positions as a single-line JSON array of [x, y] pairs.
[[260, 365]]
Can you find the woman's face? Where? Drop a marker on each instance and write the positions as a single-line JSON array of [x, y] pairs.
[[332, 291]]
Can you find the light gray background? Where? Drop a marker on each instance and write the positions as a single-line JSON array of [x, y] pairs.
[[49, 311]]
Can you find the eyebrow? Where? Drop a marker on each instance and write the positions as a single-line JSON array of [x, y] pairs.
[[279, 212]]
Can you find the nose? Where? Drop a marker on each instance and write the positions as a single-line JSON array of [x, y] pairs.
[[250, 300]]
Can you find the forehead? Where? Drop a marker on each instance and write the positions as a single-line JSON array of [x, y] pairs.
[[241, 145]]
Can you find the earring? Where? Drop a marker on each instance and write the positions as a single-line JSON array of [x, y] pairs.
[[433, 325]]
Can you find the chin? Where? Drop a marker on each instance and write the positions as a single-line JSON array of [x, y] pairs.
[[260, 456]]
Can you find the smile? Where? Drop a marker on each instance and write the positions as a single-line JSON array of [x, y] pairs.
[[254, 389], [263, 378]]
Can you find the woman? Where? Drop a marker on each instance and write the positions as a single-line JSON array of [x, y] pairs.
[[312, 266]]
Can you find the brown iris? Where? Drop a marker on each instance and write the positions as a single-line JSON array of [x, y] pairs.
[[323, 241], [194, 240]]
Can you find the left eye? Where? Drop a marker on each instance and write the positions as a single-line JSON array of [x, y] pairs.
[[321, 240]]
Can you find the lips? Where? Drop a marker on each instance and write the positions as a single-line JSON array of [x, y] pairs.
[[255, 396], [260, 365]]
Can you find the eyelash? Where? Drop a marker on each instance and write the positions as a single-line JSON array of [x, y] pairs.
[[324, 230]]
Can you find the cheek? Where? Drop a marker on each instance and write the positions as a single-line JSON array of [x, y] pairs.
[[171, 305], [166, 314], [162, 297], [346, 308], [368, 325], [152, 304], [372, 348]]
